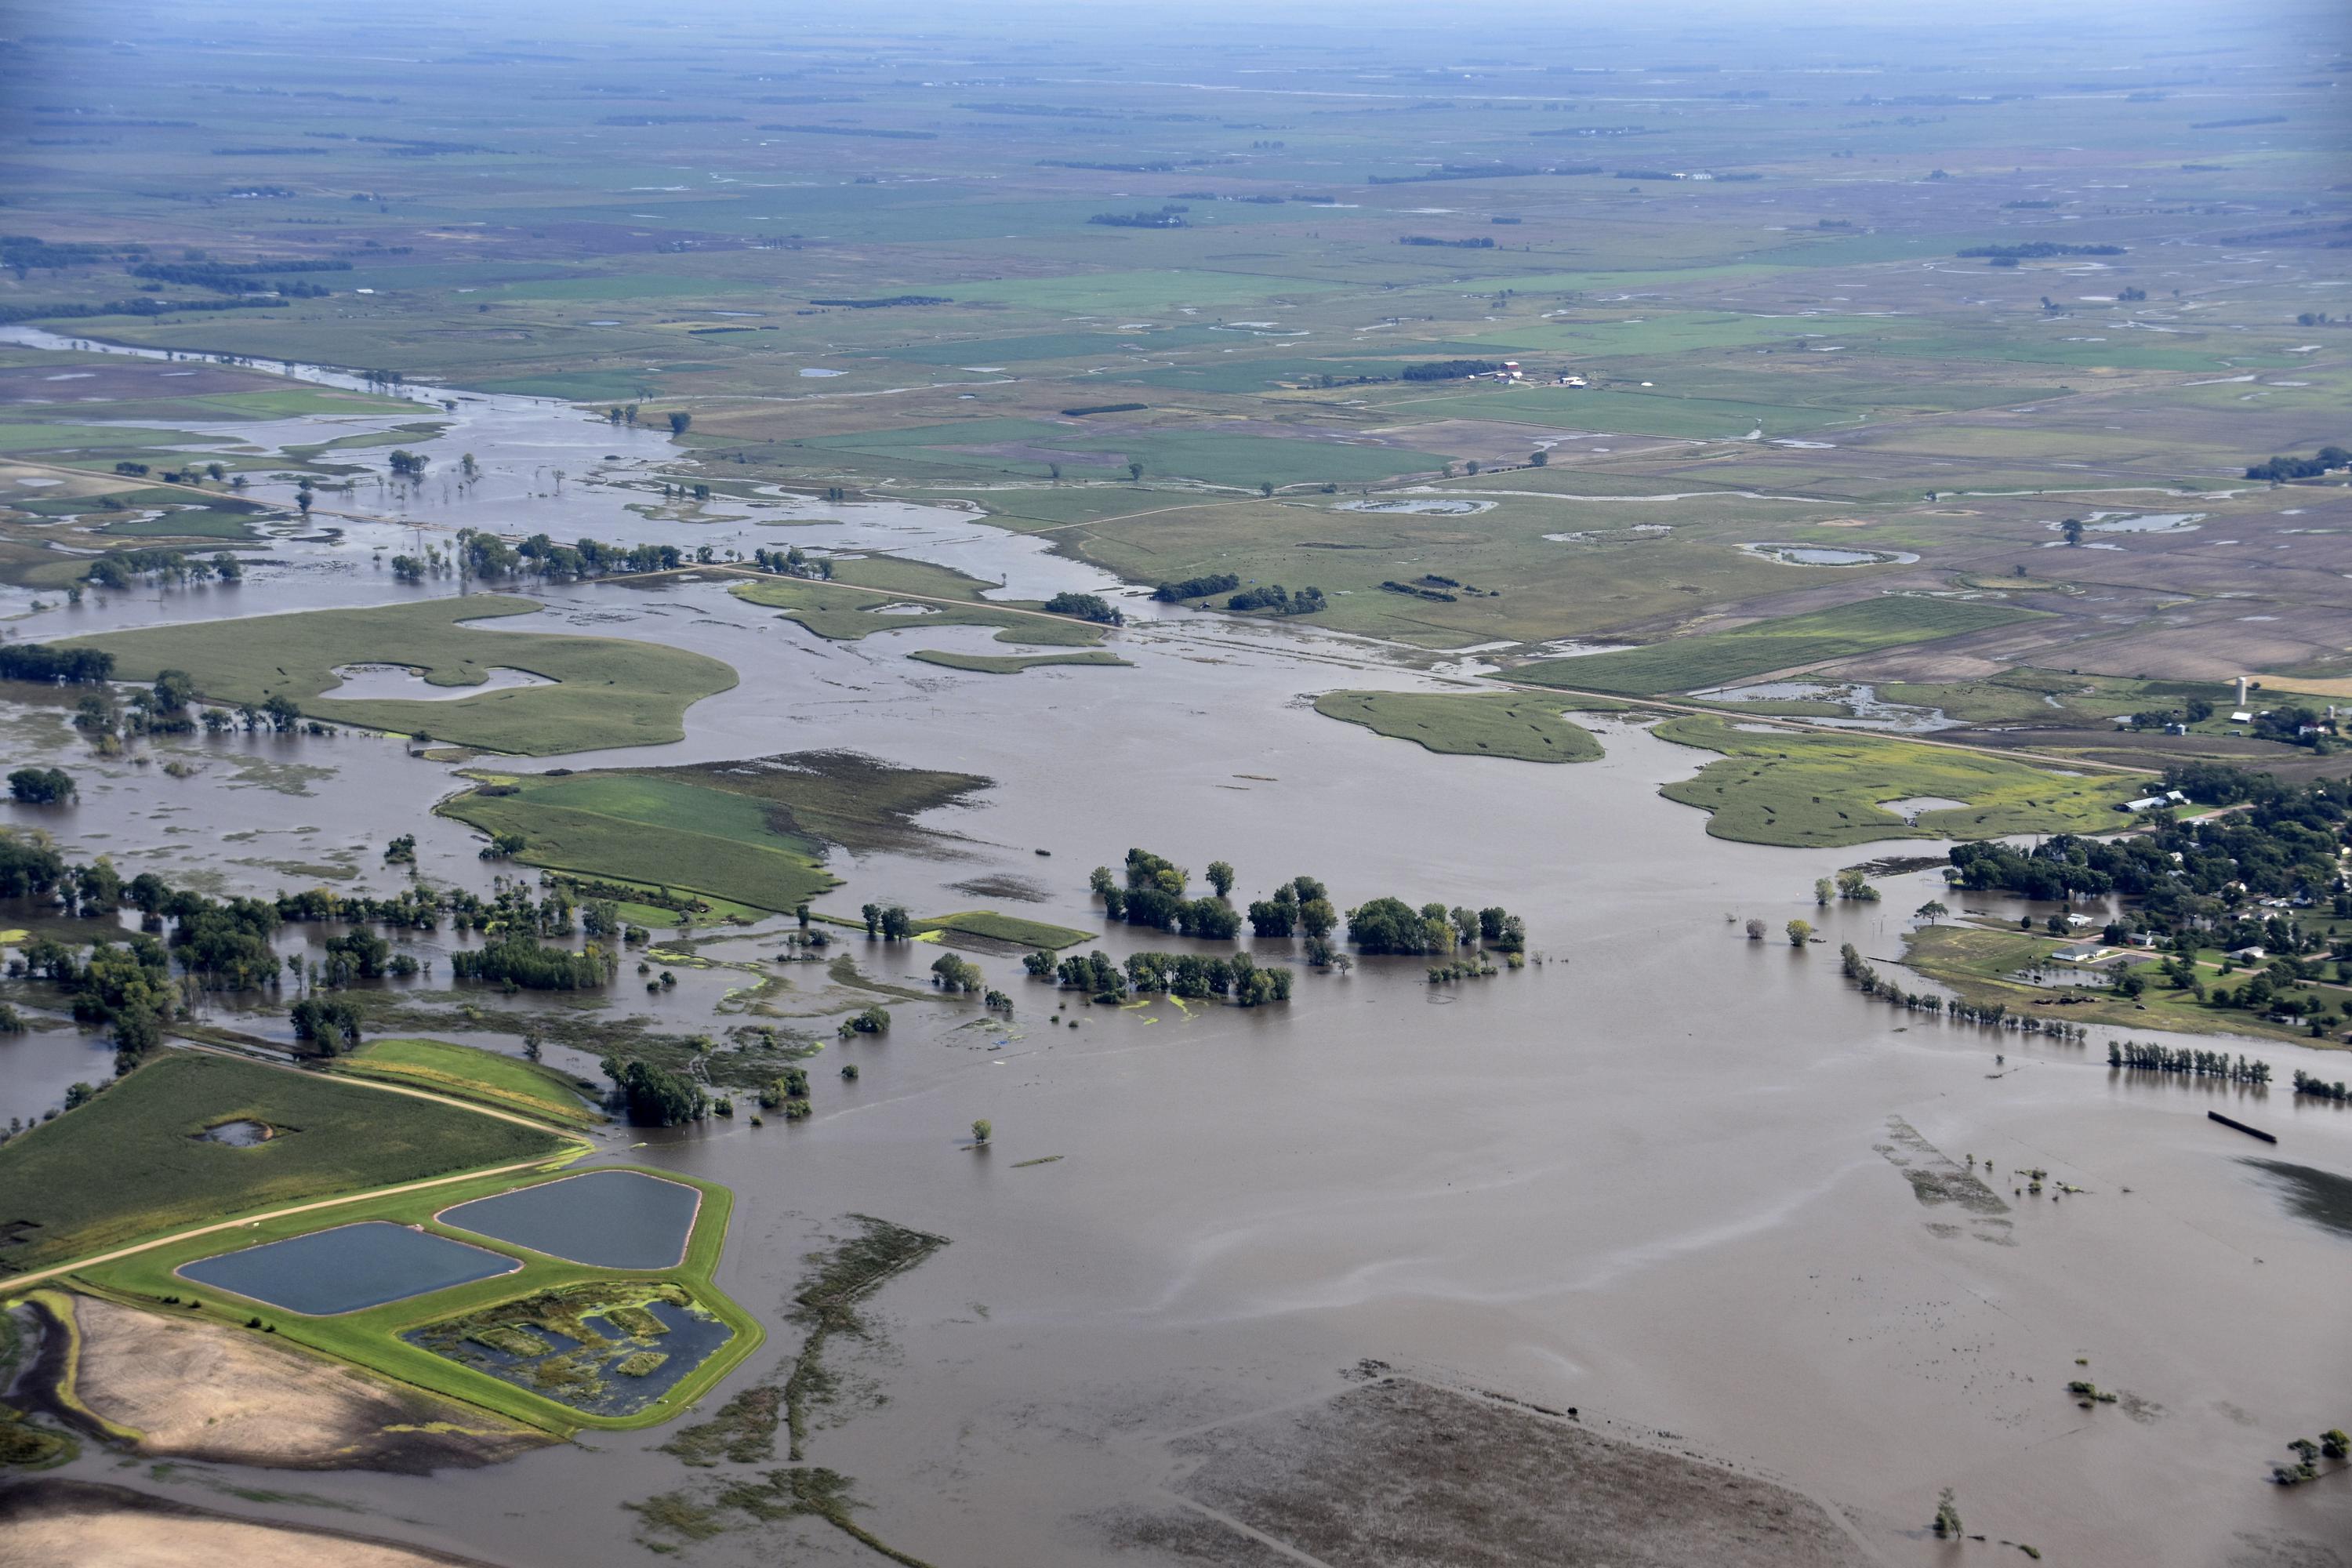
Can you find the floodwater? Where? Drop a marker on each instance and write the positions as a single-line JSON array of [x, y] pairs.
[[373, 682], [347, 1269], [1654, 1176], [237, 1135], [606, 1381], [608, 1219]]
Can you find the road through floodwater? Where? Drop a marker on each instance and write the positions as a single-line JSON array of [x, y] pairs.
[[1681, 1181]]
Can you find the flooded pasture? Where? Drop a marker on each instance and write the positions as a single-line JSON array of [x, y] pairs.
[[348, 1267], [607, 1219], [1643, 1176]]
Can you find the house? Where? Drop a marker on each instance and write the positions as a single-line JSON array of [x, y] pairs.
[[1567, 380], [2144, 939], [2089, 953], [2081, 921], [2241, 717], [2146, 803], [2248, 955]]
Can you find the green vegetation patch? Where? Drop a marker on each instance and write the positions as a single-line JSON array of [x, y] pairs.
[[1805, 790], [1691, 663], [607, 692], [994, 926], [468, 1073], [1014, 663], [1526, 727], [843, 611], [751, 833], [129, 1164]]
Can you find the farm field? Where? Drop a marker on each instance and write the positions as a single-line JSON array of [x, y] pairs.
[[1805, 789], [606, 692], [1523, 727], [470, 1073], [327, 1139]]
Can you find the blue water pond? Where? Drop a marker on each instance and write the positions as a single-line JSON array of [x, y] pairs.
[[348, 1267], [607, 1219]]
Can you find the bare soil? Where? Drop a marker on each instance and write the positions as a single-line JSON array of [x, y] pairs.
[[1401, 1474], [69, 1524], [203, 1391]]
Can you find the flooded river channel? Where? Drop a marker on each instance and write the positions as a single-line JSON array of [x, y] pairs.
[[1665, 1175]]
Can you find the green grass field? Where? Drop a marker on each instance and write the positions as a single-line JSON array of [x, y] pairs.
[[1714, 659], [633, 827], [465, 1072], [1014, 663], [371, 1337], [128, 1164], [843, 611], [998, 927], [608, 692], [1805, 790], [1527, 729]]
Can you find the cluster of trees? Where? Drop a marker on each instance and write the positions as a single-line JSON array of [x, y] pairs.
[[479, 555], [1186, 975], [2198, 874], [1170, 216], [653, 1096], [2196, 710], [1851, 883], [1196, 587], [123, 569], [1086, 607], [2278, 471], [235, 276], [1301, 905], [1449, 369], [2039, 250], [957, 972], [518, 961], [2155, 1057], [1868, 981], [1391, 925], [2311, 1084], [891, 922], [40, 786], [1484, 242], [55, 666], [325, 1027], [1154, 895], [1272, 596], [793, 562]]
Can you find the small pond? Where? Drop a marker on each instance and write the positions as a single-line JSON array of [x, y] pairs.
[[1420, 508], [398, 682], [1911, 809], [609, 1219], [1829, 555], [600, 1349], [237, 1135], [2146, 522], [348, 1267]]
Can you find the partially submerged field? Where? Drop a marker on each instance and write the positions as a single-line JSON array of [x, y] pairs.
[[133, 1163], [466, 1072], [752, 833], [1806, 788], [1526, 727], [606, 692]]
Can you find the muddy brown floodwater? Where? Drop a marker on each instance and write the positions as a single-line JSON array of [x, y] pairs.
[[1692, 1186]]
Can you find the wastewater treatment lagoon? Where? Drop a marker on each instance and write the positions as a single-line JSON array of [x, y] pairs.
[[348, 1268], [604, 1219]]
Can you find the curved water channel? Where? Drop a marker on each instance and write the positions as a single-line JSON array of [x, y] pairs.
[[1655, 1176]]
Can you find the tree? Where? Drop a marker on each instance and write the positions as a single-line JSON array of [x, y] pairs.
[[1800, 933], [1755, 930], [1220, 877], [1931, 911], [328, 1028], [1266, 488], [41, 786], [1540, 458], [1853, 884], [1135, 472], [679, 420], [1823, 891], [1948, 1517], [957, 974], [981, 1131], [656, 1096], [2073, 528]]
